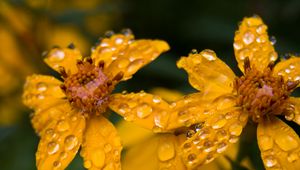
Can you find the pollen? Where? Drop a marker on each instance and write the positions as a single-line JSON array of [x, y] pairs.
[[89, 88], [262, 94]]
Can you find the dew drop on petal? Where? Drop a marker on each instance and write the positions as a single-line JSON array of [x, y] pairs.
[[62, 125], [269, 161], [52, 148], [107, 148], [219, 122], [236, 129], [143, 110], [166, 151], [98, 158], [56, 56], [237, 45], [70, 142], [265, 142], [156, 99], [248, 38], [221, 147], [209, 55], [191, 157], [41, 87], [261, 29], [273, 40], [63, 156], [87, 164], [56, 164], [233, 139], [286, 142]]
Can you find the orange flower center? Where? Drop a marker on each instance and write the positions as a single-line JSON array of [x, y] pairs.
[[89, 88], [262, 94]]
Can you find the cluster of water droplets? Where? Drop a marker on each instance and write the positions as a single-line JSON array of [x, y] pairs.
[[252, 41]]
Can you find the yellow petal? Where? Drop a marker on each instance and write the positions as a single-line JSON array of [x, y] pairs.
[[50, 111], [207, 73], [101, 147], [289, 69], [252, 41], [60, 142], [121, 53], [219, 131], [166, 94], [65, 57], [279, 145], [132, 134], [159, 152], [296, 105], [152, 112], [41, 91]]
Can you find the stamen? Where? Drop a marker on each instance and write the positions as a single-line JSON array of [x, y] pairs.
[[101, 64], [62, 71], [119, 76], [271, 65], [247, 64], [89, 60], [291, 85], [63, 87]]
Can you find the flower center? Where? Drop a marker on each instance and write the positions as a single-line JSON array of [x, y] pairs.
[[89, 88], [262, 94]]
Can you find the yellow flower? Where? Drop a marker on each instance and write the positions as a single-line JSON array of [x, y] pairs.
[[206, 123], [69, 114], [144, 143]]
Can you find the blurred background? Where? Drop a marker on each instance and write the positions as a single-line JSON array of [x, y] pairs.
[[29, 27]]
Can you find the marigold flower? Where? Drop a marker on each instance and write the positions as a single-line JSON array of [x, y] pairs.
[[206, 123], [69, 114]]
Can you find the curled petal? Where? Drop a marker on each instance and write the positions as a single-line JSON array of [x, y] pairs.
[[41, 91], [289, 69], [60, 142], [121, 53], [101, 147], [207, 73], [279, 145], [63, 57], [295, 115], [252, 41], [219, 131], [159, 152]]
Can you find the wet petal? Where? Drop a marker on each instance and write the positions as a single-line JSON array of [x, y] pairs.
[[132, 134], [121, 53], [289, 69], [101, 147], [207, 73], [279, 145], [65, 57], [220, 130], [41, 91], [60, 142], [296, 105], [159, 152], [252, 40], [141, 108], [43, 116], [154, 113]]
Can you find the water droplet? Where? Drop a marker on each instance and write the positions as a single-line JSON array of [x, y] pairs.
[[196, 140], [109, 33], [208, 146], [166, 151], [50, 134], [218, 122], [243, 117], [221, 134], [70, 142], [56, 56], [52, 148], [261, 29], [98, 157], [269, 161], [292, 157], [40, 96], [63, 156], [209, 158], [203, 133], [56, 164], [191, 157], [245, 53], [156, 129], [187, 146], [122, 63], [222, 147], [233, 139], [190, 133], [123, 108], [297, 78], [287, 71], [143, 110], [236, 129], [248, 38], [209, 55], [194, 51], [41, 87], [290, 116], [273, 40], [273, 56], [107, 148], [286, 142], [119, 40], [62, 125], [156, 99], [237, 45], [265, 142], [87, 164], [135, 65], [198, 126]]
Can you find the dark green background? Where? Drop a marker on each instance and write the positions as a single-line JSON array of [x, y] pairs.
[[185, 25]]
